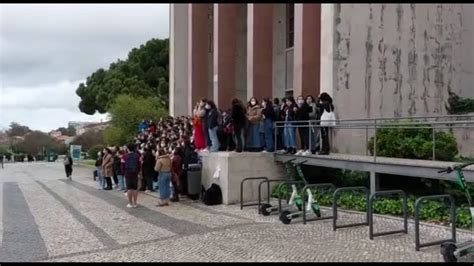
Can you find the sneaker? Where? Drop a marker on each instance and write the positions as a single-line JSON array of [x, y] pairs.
[[306, 153], [147, 191], [300, 152], [264, 151], [134, 206], [129, 205], [205, 150]]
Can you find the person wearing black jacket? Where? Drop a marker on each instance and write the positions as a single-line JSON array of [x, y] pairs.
[[325, 104], [302, 114], [239, 120], [189, 157], [279, 132], [116, 166], [288, 130], [212, 125], [68, 166], [148, 168], [268, 116]]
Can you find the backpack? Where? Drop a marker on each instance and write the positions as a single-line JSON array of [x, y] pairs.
[[213, 195], [193, 157], [131, 163]]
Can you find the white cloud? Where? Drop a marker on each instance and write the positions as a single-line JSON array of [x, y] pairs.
[[47, 49], [43, 107]]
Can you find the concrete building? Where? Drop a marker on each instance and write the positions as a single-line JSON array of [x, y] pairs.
[[376, 60]]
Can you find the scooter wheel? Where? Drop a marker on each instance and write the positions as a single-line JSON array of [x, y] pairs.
[[318, 213], [263, 209], [284, 217], [447, 250]]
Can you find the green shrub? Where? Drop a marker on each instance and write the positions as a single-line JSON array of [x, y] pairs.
[[458, 105], [414, 143], [94, 150], [434, 211]]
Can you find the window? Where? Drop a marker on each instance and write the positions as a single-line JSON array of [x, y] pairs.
[[290, 25]]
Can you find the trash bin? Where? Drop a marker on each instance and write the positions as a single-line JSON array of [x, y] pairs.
[[194, 181]]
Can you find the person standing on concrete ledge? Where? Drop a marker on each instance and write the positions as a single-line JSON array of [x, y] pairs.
[[254, 115], [268, 116], [238, 122], [212, 125], [325, 105]]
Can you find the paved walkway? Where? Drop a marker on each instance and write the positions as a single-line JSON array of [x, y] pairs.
[[47, 218]]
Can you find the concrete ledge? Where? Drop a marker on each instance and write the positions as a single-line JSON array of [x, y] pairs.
[[234, 167]]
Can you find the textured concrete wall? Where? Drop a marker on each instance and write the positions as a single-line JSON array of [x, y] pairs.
[[398, 60], [279, 46]]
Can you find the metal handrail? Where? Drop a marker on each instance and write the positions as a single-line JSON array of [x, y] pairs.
[[387, 118], [374, 123]]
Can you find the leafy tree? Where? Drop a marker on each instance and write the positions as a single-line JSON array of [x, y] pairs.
[[93, 151], [143, 74], [35, 141], [89, 139], [17, 130], [126, 112]]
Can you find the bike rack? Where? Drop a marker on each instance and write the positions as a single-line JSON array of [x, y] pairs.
[[268, 191], [289, 183], [242, 205], [330, 185], [452, 209], [371, 217], [334, 207]]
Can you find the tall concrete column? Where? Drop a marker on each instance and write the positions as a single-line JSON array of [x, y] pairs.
[[259, 50], [306, 64], [178, 89], [198, 50], [327, 45], [225, 38]]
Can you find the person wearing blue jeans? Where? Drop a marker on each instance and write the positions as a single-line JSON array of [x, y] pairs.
[[289, 131], [268, 116], [163, 166], [212, 125]]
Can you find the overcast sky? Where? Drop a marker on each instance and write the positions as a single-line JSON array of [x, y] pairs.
[[46, 50]]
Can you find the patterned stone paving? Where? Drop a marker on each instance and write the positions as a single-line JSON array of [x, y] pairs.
[[75, 222]]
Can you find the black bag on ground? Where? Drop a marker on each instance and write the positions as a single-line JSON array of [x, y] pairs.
[[213, 195]]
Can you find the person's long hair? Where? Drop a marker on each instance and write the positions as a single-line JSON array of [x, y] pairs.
[[212, 104], [325, 97], [313, 100], [249, 104], [291, 100]]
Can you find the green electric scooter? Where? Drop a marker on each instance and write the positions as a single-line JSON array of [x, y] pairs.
[[267, 209], [312, 206], [450, 250]]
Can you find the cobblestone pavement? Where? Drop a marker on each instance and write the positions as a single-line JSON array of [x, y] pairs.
[[47, 218]]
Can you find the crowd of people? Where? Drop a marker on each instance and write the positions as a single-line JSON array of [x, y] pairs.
[[162, 151], [250, 127]]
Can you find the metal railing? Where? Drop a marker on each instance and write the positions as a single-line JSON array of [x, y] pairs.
[[448, 122]]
